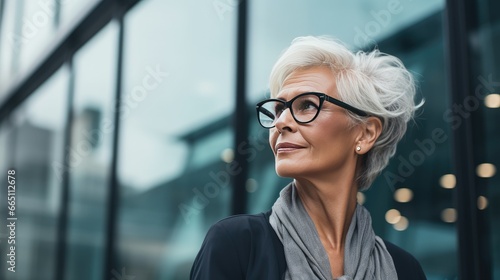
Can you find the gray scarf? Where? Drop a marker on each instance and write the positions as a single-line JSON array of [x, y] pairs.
[[365, 255]]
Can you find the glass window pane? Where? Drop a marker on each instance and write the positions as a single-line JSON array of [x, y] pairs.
[[37, 31], [27, 31], [422, 167], [90, 153], [10, 40], [359, 24], [38, 128], [6, 145], [486, 82], [175, 136], [73, 10]]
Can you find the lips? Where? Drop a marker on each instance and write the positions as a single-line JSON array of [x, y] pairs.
[[286, 147]]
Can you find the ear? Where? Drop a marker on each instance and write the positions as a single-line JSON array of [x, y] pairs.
[[368, 135]]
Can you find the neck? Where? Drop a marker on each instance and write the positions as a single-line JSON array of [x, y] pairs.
[[331, 208]]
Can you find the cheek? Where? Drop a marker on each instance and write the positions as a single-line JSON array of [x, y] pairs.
[[329, 141]]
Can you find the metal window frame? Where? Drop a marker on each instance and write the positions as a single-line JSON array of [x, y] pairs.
[[240, 121], [461, 22]]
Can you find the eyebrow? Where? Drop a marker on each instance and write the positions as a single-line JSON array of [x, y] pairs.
[[294, 95]]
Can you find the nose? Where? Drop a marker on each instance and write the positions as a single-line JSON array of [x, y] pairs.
[[285, 121]]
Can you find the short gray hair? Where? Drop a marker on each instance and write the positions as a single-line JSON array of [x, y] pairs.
[[374, 82]]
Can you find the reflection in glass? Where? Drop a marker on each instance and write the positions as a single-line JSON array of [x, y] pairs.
[[38, 28], [73, 10], [6, 146], [175, 124], [37, 155], [486, 77], [10, 42], [90, 154]]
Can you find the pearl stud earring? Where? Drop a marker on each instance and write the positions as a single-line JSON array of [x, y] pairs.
[[358, 148]]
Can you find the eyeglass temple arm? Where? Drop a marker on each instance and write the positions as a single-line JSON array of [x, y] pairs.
[[347, 106], [266, 112]]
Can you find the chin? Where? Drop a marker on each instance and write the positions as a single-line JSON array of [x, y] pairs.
[[285, 170]]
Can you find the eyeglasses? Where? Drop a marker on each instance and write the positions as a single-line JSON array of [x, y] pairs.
[[304, 107]]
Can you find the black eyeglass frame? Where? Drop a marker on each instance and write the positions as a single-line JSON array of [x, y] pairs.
[[288, 104]]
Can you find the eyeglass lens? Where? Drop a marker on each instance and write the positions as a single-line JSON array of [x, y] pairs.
[[304, 109]]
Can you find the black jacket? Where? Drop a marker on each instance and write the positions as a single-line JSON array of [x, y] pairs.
[[246, 247]]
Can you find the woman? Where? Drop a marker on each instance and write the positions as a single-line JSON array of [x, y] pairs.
[[335, 120]]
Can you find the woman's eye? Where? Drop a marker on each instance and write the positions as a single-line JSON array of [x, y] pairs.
[[307, 105], [278, 109]]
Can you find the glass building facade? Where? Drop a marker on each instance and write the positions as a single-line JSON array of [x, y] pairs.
[[131, 129]]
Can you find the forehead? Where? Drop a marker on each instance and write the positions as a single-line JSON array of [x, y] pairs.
[[314, 79]]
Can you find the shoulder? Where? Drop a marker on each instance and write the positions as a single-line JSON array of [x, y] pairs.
[[235, 232], [241, 224], [248, 234], [407, 267], [239, 247]]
